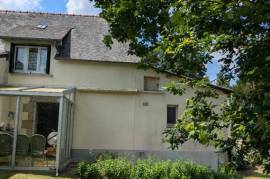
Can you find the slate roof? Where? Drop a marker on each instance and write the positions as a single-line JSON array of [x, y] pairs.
[[56, 33], [86, 34]]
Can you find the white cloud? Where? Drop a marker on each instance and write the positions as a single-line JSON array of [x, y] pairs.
[[21, 5], [81, 7]]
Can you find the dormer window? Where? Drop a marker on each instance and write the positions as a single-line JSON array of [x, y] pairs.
[[31, 59]]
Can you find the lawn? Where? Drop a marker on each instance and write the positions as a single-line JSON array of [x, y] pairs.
[[254, 174], [67, 174], [33, 175]]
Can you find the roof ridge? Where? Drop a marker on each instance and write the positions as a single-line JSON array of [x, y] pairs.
[[49, 13]]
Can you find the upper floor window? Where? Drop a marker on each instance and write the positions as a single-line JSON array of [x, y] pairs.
[[172, 114], [31, 59], [151, 83]]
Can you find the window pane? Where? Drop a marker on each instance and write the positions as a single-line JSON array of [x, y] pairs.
[[171, 114], [20, 58], [151, 83], [32, 59], [43, 60]]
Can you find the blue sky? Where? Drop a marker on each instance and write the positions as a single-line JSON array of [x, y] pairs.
[[212, 70], [72, 7], [55, 6]]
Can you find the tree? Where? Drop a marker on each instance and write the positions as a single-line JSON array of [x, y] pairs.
[[222, 80], [244, 115], [179, 36]]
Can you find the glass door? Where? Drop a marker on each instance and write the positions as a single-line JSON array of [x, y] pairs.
[[37, 134], [65, 137]]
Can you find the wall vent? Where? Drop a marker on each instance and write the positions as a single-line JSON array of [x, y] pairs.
[[145, 104]]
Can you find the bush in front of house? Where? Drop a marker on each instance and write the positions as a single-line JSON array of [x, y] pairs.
[[150, 169], [120, 168], [189, 170], [108, 168]]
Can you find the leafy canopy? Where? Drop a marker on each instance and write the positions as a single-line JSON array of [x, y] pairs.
[[180, 36]]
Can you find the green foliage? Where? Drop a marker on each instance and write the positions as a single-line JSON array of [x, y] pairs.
[[223, 80], [81, 169], [226, 171], [175, 88], [114, 169], [240, 129], [144, 169], [150, 169], [190, 171], [180, 37], [107, 40], [110, 168], [105, 156]]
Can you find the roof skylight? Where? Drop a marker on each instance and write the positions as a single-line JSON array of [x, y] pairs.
[[41, 26]]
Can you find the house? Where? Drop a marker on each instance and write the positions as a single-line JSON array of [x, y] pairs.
[[56, 75]]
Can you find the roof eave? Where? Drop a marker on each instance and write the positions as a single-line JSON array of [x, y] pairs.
[[90, 60], [29, 38]]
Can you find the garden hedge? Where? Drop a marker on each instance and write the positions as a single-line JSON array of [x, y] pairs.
[[150, 169]]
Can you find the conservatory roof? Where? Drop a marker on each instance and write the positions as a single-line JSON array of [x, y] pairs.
[[34, 91]]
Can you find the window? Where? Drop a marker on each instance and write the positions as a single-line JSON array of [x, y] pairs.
[[151, 83], [172, 114], [31, 59]]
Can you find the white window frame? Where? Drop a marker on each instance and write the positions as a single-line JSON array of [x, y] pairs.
[[26, 57]]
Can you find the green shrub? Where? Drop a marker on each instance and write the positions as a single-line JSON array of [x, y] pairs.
[[226, 172], [185, 170], [111, 168], [81, 169], [114, 168], [177, 170], [141, 170], [92, 171], [194, 171], [162, 169], [151, 169], [105, 156]]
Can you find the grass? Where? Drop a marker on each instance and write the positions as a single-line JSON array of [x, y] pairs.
[[68, 174], [257, 176], [255, 173], [28, 175]]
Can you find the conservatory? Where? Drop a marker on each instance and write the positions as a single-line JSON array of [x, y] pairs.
[[36, 126]]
